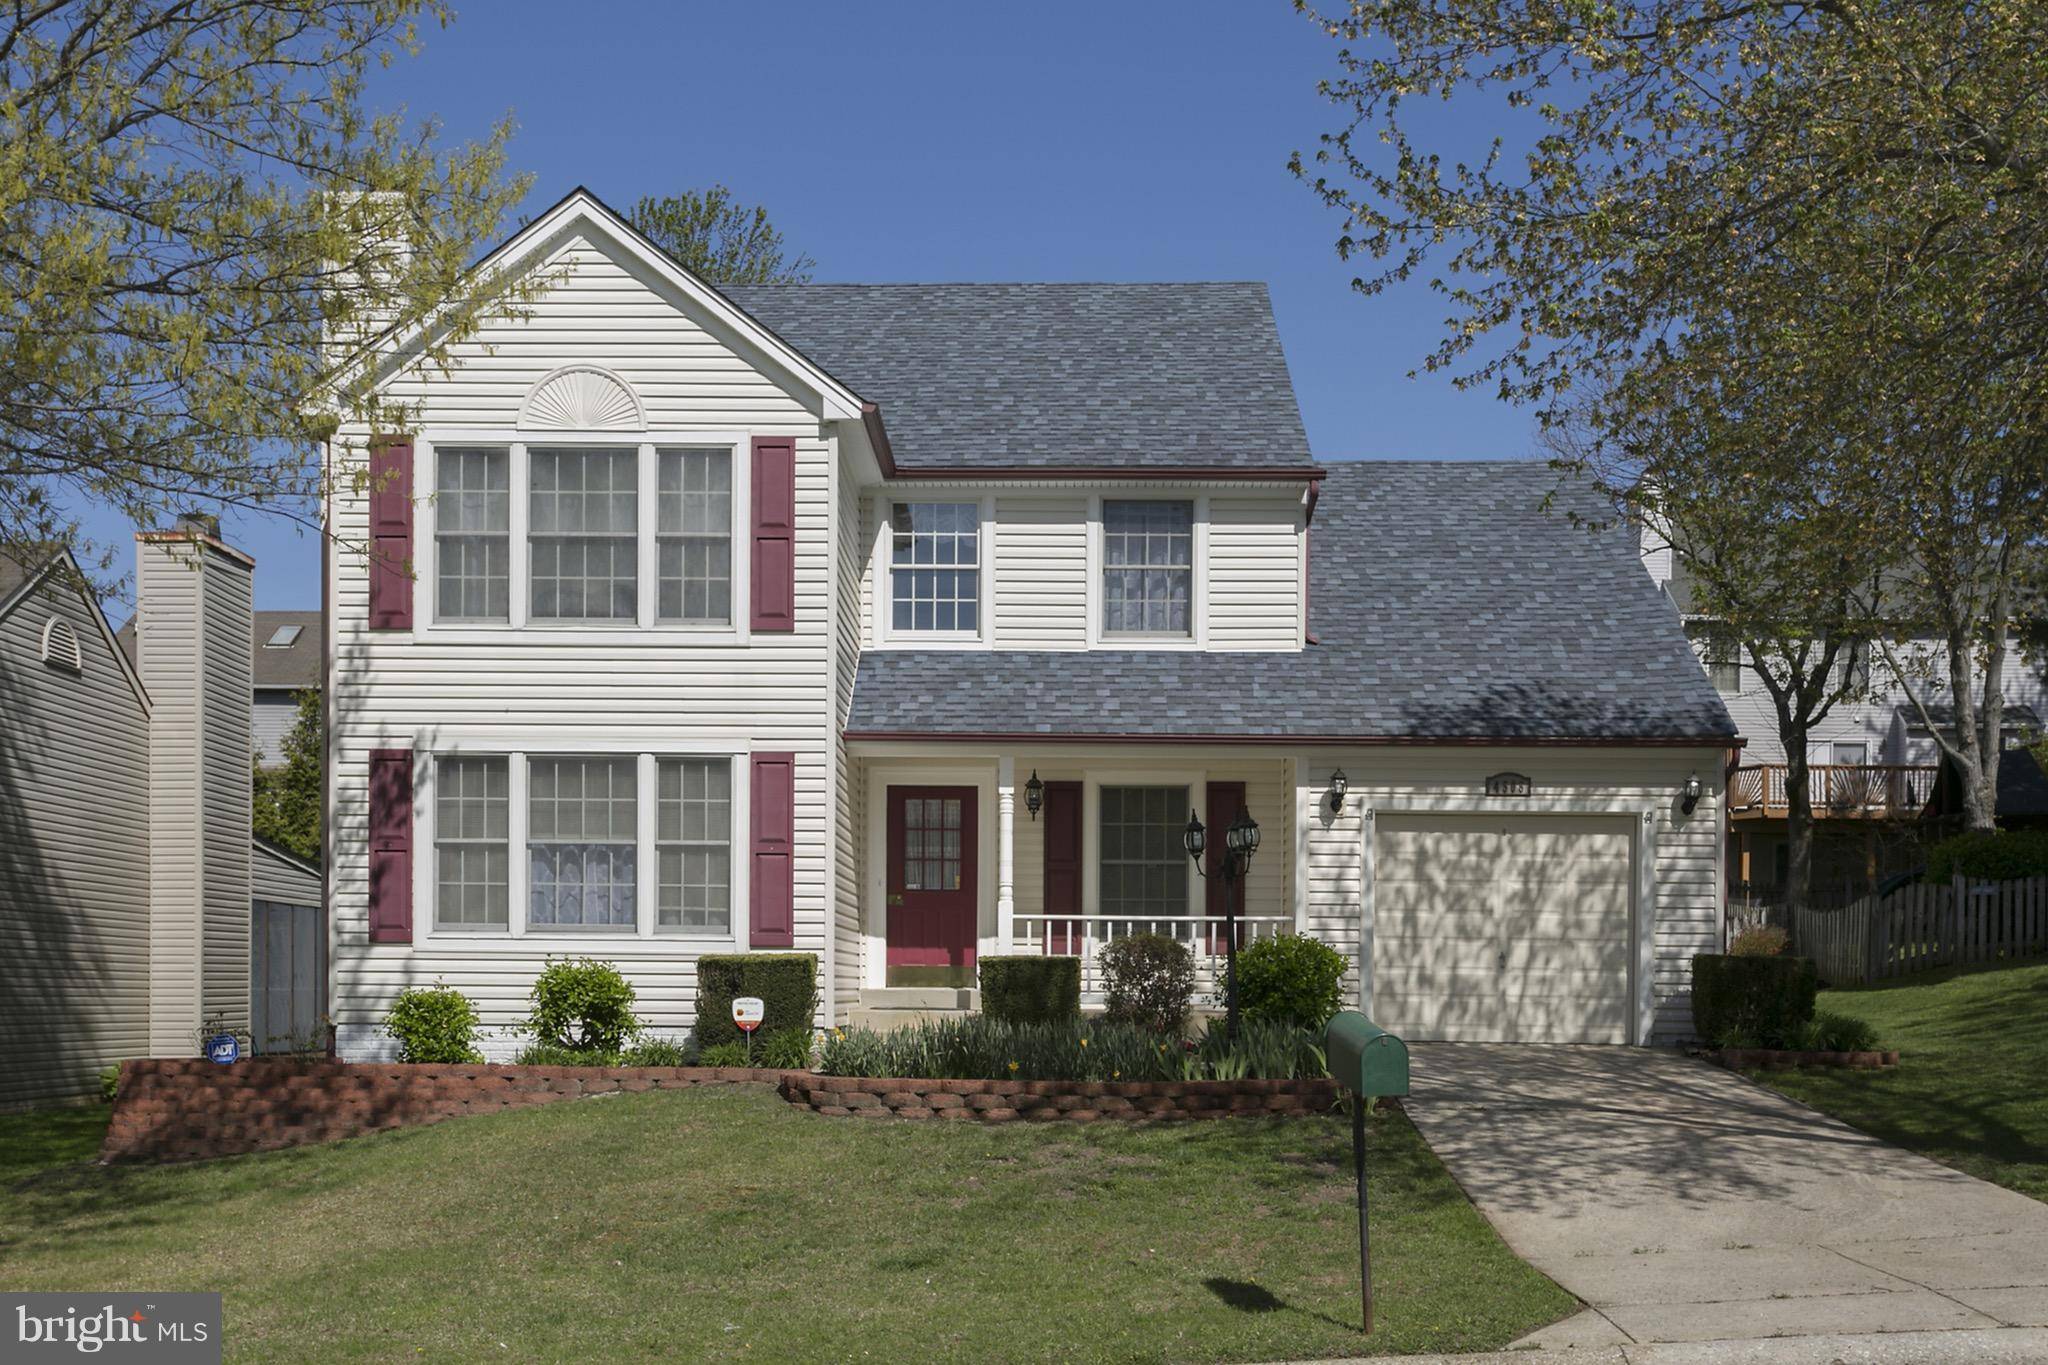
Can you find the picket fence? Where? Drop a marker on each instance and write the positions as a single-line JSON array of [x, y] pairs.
[[1914, 928]]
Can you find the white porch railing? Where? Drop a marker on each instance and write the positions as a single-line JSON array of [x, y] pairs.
[[1085, 936]]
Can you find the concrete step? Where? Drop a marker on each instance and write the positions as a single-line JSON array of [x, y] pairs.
[[890, 1007]]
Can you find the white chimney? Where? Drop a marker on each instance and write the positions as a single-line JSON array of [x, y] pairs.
[[192, 633]]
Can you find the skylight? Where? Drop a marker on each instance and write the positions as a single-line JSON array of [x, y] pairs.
[[284, 637]]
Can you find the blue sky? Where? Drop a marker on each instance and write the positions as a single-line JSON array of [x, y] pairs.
[[964, 142]]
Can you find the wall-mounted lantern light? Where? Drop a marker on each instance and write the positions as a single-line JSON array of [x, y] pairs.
[[1691, 793], [1034, 795], [1339, 785], [1195, 839]]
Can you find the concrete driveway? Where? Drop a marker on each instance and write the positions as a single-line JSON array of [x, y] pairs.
[[1683, 1203]]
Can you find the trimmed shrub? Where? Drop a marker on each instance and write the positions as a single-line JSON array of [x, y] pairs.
[[2004, 856], [1289, 979], [984, 1049], [786, 983], [1765, 940], [1031, 990], [434, 1023], [583, 1005], [1753, 1001], [1148, 980]]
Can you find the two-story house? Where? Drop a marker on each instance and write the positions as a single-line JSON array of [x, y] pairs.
[[1876, 776], [910, 625]]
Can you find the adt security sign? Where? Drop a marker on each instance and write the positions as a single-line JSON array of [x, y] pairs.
[[224, 1048], [747, 1012]]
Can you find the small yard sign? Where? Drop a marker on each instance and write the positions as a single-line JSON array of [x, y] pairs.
[[224, 1048], [747, 1012]]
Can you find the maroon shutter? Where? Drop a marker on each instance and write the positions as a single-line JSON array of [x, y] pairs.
[[1062, 813], [1225, 801], [771, 875], [390, 845], [391, 533], [774, 547]]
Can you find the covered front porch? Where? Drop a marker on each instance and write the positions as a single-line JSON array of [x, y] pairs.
[[1055, 849]]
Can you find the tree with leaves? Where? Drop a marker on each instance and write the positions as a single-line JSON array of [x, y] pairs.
[[713, 235], [1849, 196], [288, 797], [198, 215]]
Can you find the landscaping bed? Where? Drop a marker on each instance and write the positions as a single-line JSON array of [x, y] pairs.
[[1000, 1101], [1778, 1059]]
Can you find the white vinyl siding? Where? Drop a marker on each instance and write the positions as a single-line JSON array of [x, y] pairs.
[[1041, 571], [604, 690], [1255, 573]]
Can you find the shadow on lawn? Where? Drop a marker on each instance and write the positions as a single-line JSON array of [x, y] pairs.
[[1248, 1297]]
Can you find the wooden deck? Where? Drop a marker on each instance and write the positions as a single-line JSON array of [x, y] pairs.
[[1863, 791]]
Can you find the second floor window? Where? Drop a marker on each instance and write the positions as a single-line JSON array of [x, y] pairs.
[[935, 567], [583, 534], [1148, 557], [693, 535], [473, 534]]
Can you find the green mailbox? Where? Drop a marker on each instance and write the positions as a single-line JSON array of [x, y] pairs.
[[1364, 1058], [1369, 1062]]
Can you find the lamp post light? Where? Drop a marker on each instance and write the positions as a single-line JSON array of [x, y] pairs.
[[1240, 842]]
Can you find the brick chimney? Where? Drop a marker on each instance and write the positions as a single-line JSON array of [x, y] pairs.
[[193, 626]]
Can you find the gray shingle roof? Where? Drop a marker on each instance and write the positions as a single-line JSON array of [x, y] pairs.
[[1450, 605], [294, 666], [1051, 375]]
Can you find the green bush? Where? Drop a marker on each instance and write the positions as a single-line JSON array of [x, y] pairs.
[[554, 1054], [655, 1052], [726, 1054], [980, 1048], [1830, 1032], [434, 1023], [583, 1005], [1289, 979], [1752, 1001], [1148, 980], [788, 1048], [1031, 990], [2004, 856], [110, 1084], [786, 983]]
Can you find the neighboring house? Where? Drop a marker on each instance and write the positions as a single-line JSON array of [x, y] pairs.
[[284, 660], [1877, 784], [126, 873], [906, 625]]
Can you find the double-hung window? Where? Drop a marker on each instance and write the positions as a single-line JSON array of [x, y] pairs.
[[693, 536], [582, 843], [472, 853], [1143, 864], [583, 534], [473, 533], [693, 843], [935, 567], [1148, 558]]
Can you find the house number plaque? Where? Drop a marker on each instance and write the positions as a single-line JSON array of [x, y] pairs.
[[1508, 784]]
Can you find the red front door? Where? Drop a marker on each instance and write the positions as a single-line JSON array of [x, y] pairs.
[[931, 910]]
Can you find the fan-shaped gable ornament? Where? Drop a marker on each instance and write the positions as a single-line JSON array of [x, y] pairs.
[[583, 398]]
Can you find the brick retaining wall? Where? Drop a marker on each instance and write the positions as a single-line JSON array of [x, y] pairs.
[[189, 1108], [1044, 1101]]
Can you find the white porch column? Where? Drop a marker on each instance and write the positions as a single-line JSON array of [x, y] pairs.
[[1006, 854]]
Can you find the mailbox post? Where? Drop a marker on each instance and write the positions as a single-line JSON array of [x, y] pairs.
[[1369, 1062]]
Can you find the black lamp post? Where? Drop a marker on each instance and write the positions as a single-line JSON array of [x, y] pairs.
[[1240, 841]]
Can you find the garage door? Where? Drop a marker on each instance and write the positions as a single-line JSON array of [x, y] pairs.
[[1497, 929]]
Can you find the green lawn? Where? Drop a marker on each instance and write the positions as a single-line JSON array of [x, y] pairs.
[[725, 1224], [49, 1137], [1969, 1089]]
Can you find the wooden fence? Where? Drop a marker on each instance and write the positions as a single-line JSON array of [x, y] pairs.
[[1912, 929]]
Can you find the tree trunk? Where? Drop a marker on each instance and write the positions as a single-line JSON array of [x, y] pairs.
[[1798, 818]]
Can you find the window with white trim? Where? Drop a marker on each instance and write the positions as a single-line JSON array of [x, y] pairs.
[[693, 844], [1148, 557], [472, 852], [473, 534], [582, 843], [583, 528], [935, 567], [693, 536], [1143, 864]]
